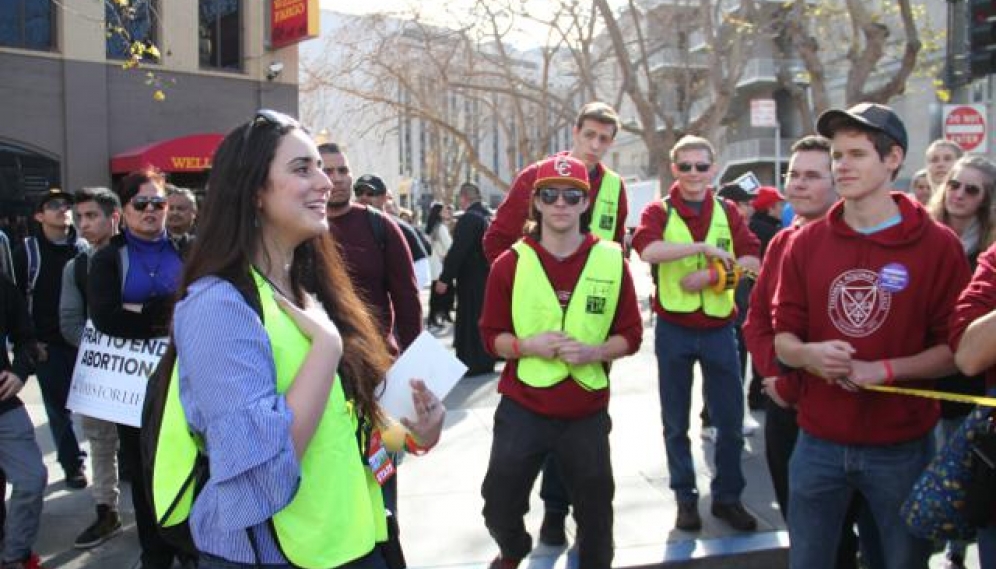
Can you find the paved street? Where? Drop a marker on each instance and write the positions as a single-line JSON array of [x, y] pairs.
[[440, 499]]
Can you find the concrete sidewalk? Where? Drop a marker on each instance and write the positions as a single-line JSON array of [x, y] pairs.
[[440, 500]]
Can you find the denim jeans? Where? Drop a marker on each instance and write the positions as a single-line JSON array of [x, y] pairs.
[[823, 477], [678, 348], [55, 375], [21, 460], [987, 546]]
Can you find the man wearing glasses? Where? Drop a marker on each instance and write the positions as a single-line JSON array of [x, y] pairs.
[[594, 132], [558, 307], [38, 264], [697, 244]]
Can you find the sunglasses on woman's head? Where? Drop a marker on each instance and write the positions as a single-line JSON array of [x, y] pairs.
[[701, 167], [141, 203], [572, 196], [269, 117], [970, 189]]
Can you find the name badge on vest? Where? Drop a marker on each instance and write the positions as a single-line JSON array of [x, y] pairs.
[[606, 222], [380, 463]]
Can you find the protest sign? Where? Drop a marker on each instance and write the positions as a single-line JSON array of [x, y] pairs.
[[110, 376]]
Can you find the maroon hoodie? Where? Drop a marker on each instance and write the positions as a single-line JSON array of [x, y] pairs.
[[890, 295]]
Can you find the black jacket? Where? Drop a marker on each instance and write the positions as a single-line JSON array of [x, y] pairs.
[[48, 286], [104, 287], [15, 325]]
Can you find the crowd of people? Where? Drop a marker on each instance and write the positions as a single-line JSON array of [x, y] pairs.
[[318, 275]]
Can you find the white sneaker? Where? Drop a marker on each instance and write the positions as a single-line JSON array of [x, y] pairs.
[[708, 434], [750, 426]]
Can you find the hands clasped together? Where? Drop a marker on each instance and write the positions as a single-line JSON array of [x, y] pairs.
[[558, 345]]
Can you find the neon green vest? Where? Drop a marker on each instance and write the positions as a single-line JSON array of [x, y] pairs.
[[337, 514], [605, 210], [588, 318], [672, 297]]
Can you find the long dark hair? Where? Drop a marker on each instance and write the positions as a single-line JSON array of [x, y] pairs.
[[227, 241], [434, 218]]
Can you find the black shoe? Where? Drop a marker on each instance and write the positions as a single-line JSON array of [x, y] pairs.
[[504, 563], [108, 525], [552, 531], [76, 480], [735, 515], [688, 517]]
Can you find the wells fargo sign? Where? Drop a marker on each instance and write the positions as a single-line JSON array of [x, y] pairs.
[[292, 21]]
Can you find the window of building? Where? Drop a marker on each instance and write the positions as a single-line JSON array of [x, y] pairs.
[[138, 21], [221, 34], [27, 24]]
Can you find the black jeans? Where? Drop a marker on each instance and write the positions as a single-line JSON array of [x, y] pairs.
[[156, 552], [522, 441]]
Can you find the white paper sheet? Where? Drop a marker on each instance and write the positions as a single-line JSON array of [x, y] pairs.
[[426, 359]]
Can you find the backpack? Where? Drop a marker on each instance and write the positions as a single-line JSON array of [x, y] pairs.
[[81, 274], [379, 227], [153, 410]]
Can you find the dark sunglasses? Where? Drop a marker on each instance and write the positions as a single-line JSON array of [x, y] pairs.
[[549, 196], [141, 203], [701, 167], [267, 117], [57, 205], [342, 170], [970, 189]]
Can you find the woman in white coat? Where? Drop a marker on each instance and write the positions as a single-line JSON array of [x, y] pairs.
[[439, 236]]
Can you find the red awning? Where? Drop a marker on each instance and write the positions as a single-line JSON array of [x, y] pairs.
[[184, 154]]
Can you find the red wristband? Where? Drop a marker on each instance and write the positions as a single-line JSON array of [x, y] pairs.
[[516, 352], [890, 376], [412, 446], [713, 275]]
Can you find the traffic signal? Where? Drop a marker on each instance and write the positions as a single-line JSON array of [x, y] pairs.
[[982, 36]]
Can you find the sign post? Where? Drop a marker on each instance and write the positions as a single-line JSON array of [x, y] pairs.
[[966, 125], [764, 114]]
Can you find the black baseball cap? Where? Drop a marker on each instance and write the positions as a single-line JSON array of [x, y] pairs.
[[868, 115], [53, 194], [372, 183]]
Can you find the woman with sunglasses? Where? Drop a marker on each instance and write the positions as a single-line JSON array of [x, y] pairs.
[[277, 364], [964, 203], [129, 294]]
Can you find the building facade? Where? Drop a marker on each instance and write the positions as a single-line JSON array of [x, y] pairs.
[[75, 113]]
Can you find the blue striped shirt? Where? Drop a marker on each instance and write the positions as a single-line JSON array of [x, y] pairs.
[[228, 392]]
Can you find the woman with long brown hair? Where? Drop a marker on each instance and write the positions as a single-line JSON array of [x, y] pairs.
[[278, 364]]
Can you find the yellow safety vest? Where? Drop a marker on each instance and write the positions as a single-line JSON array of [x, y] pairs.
[[588, 318], [337, 514], [672, 297], [605, 210]]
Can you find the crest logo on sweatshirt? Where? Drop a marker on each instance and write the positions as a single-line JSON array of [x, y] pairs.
[[858, 305]]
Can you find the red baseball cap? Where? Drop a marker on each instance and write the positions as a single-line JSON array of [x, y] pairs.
[[562, 169], [766, 198]]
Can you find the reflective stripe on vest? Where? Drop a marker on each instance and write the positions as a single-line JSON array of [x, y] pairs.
[[605, 210], [672, 297], [588, 318], [337, 514]]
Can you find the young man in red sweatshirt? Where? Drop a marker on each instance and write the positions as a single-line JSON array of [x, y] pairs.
[[973, 337], [684, 235], [559, 306], [864, 298], [594, 132]]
